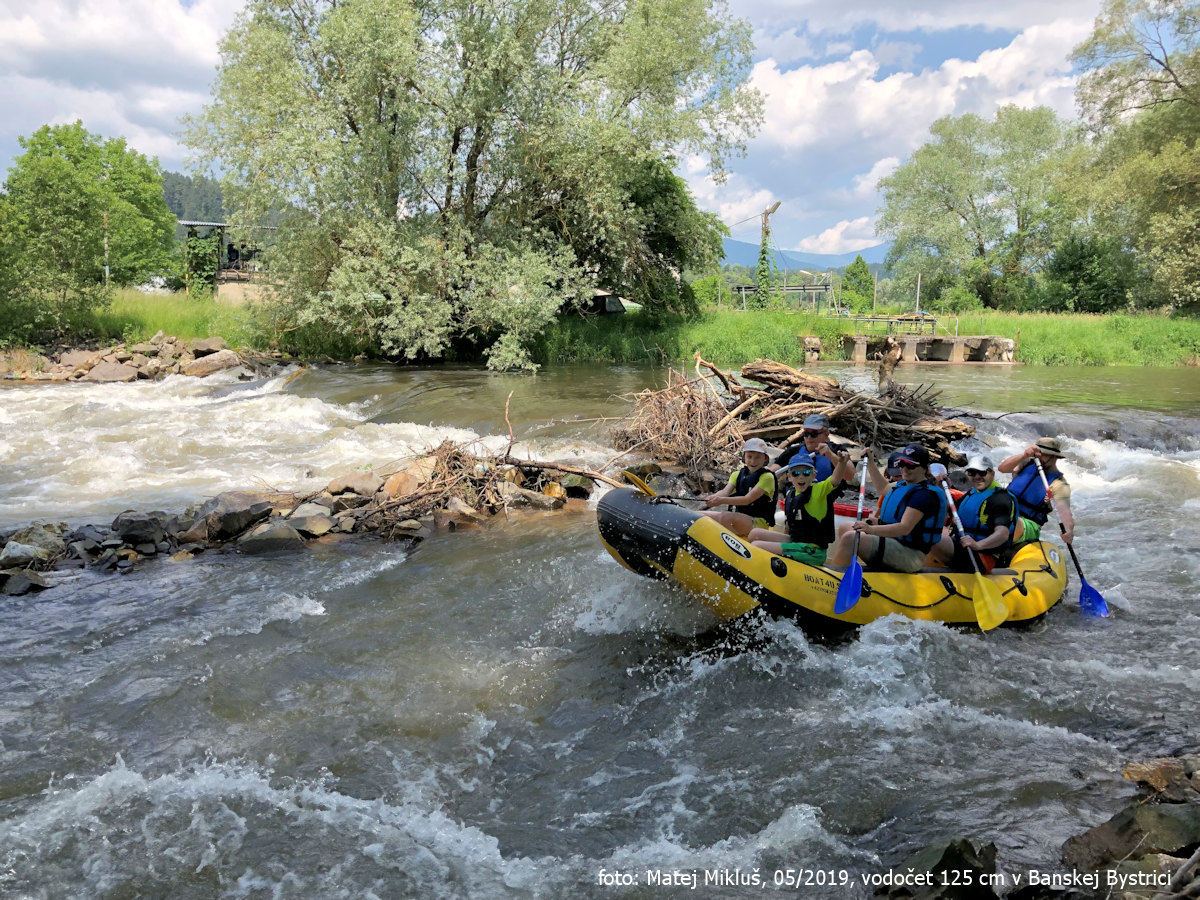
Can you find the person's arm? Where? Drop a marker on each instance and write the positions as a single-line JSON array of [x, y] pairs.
[[878, 478], [716, 498], [1018, 461], [1062, 505], [843, 468], [996, 539], [747, 499], [911, 519]]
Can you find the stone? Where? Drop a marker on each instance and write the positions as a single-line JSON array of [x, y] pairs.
[[269, 537], [24, 581], [312, 526], [147, 549], [139, 360], [1166, 776], [76, 358], [208, 346], [47, 535], [198, 531], [208, 365], [158, 337], [365, 483], [346, 502], [1139, 829], [579, 486], [410, 478], [957, 859], [514, 495], [141, 528], [16, 555], [144, 349], [111, 373], [304, 510], [644, 470], [232, 512], [123, 356]]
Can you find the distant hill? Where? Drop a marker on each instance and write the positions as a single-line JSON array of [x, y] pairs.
[[741, 253]]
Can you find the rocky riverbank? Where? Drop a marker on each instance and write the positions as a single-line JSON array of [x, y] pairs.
[[162, 355]]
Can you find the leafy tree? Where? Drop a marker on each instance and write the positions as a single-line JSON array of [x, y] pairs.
[[979, 202], [858, 278], [66, 194], [193, 197], [415, 145]]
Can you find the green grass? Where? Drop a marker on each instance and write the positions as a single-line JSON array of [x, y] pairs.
[[730, 337], [134, 316]]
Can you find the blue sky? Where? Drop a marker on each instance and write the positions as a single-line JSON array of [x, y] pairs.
[[851, 88]]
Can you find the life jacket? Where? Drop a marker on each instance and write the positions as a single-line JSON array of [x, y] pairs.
[[803, 526], [929, 530], [972, 512], [1026, 486], [764, 506]]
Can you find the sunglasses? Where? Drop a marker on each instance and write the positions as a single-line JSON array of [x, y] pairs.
[[976, 473], [905, 464], [807, 433], [800, 473]]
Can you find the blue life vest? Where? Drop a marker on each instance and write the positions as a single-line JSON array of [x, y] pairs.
[[929, 530], [1026, 486], [803, 526], [970, 510], [763, 507]]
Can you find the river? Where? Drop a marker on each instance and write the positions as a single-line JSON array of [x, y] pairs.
[[509, 713]]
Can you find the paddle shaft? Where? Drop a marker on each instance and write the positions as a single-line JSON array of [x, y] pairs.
[[962, 532], [1061, 527], [862, 493]]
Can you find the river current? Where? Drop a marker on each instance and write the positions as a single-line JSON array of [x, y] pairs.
[[509, 713]]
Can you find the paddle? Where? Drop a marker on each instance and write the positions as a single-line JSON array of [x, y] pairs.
[[990, 608], [1091, 602], [850, 588]]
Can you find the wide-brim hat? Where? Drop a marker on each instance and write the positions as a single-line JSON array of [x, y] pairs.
[[1050, 446]]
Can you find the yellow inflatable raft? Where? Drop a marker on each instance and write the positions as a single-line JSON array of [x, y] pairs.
[[729, 577]]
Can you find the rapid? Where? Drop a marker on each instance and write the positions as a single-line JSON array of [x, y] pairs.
[[508, 712]]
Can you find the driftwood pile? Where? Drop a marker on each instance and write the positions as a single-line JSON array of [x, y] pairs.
[[701, 423]]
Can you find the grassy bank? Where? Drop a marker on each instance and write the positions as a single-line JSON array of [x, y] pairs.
[[730, 338], [134, 316]]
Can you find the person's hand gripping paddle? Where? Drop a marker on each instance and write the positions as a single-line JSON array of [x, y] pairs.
[[1091, 601], [850, 588], [990, 608]]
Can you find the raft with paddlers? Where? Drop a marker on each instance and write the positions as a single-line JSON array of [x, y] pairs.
[[724, 573]]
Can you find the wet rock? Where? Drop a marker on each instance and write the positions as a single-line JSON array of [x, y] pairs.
[[644, 470], [111, 373], [578, 486], [313, 525], [208, 346], [45, 535], [514, 495], [231, 513], [216, 362], [347, 502], [197, 531], [365, 483], [410, 478], [147, 549], [144, 349], [304, 510], [269, 537], [75, 358], [950, 863], [1138, 829], [141, 528], [19, 583], [1166, 776], [555, 490]]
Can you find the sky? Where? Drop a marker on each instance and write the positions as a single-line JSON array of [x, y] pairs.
[[851, 88]]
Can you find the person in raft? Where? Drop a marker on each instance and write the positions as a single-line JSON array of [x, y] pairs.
[[807, 510], [989, 519], [1026, 486], [814, 440], [750, 493], [909, 523]]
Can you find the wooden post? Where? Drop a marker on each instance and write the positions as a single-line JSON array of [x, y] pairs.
[[875, 292], [106, 251], [918, 293]]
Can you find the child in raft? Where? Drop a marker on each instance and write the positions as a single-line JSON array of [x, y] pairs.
[[807, 509], [750, 493]]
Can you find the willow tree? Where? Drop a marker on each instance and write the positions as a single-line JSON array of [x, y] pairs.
[[460, 167]]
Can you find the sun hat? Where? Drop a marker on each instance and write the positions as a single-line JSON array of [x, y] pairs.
[[755, 445], [980, 463], [915, 454], [1050, 446], [816, 422], [802, 459]]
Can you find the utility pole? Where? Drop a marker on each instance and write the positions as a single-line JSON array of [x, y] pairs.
[[764, 268], [875, 292], [918, 293], [105, 215]]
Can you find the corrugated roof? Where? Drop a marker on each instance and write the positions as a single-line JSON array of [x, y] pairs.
[[203, 224]]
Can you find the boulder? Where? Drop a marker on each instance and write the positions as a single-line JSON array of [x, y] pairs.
[[304, 510], [312, 526], [231, 513], [24, 581], [16, 555], [345, 502], [111, 373], [158, 338], [410, 478], [141, 528], [579, 486], [270, 537], [45, 536], [514, 495], [144, 349], [76, 358], [216, 362], [208, 346], [1137, 830], [950, 863], [1166, 776], [364, 483]]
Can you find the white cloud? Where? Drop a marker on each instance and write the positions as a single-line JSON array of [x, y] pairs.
[[906, 15], [863, 186], [844, 237]]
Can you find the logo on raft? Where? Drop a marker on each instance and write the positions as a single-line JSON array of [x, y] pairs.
[[735, 545], [1055, 556]]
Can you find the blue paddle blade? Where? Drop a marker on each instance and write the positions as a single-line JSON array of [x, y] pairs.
[[850, 588], [1090, 600]]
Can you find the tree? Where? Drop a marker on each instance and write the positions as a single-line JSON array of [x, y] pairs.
[[193, 197], [67, 193], [858, 278], [413, 145], [977, 204]]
